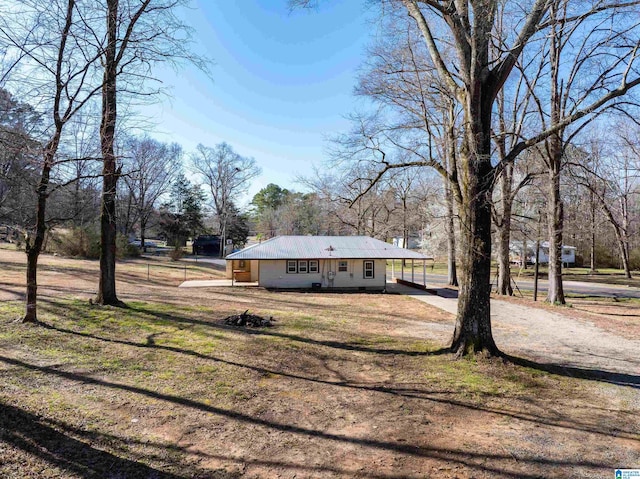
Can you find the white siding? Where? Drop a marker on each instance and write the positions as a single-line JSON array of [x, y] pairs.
[[255, 270], [568, 255], [273, 274]]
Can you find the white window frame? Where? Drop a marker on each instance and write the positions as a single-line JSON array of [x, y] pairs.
[[313, 266], [290, 263], [343, 264], [368, 273], [303, 263]]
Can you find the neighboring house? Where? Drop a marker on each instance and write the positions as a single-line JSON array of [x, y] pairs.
[[314, 262], [517, 252], [412, 243]]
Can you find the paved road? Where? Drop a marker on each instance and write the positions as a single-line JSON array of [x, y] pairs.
[[218, 262], [575, 287]]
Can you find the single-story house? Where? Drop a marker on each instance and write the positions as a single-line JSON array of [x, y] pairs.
[[568, 253], [315, 262]]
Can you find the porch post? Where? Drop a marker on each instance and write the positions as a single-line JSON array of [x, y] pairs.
[[412, 280], [393, 269], [424, 273]]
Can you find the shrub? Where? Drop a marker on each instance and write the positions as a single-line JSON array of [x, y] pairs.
[[606, 257], [124, 249], [634, 259], [176, 253], [85, 243], [76, 242]]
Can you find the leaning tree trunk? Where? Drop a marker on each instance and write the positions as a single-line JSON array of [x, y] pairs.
[[34, 244], [555, 213], [622, 240], [624, 256], [110, 173]]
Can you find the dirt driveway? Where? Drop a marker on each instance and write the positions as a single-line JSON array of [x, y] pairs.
[[572, 341]]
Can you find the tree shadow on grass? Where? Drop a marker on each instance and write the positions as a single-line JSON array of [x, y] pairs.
[[608, 313], [487, 462], [419, 393], [619, 379], [31, 434], [293, 337]]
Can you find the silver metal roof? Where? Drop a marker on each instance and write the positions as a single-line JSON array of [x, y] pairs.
[[323, 247]]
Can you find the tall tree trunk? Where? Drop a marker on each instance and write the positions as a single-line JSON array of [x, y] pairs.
[[504, 233], [223, 234], [555, 209], [143, 232], [34, 244], [110, 172], [472, 332], [556, 220], [405, 228], [452, 170], [452, 274], [593, 232], [473, 322], [625, 231]]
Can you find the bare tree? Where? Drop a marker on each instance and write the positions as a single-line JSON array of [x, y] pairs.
[[19, 142], [81, 142], [149, 174], [587, 62], [138, 35], [228, 175], [459, 38], [58, 68], [611, 184]]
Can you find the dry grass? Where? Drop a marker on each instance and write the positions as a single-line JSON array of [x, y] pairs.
[[345, 385]]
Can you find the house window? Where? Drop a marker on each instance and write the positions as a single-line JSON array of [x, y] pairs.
[[241, 264], [313, 266], [343, 266], [303, 266], [292, 266], [566, 252], [368, 270]]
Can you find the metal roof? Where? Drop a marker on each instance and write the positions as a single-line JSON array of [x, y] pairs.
[[324, 247]]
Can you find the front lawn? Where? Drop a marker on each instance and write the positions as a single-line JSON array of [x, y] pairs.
[[344, 385]]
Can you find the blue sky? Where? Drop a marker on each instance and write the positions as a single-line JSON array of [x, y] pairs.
[[282, 82]]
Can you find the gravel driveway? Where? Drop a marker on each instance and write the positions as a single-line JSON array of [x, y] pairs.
[[553, 338]]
